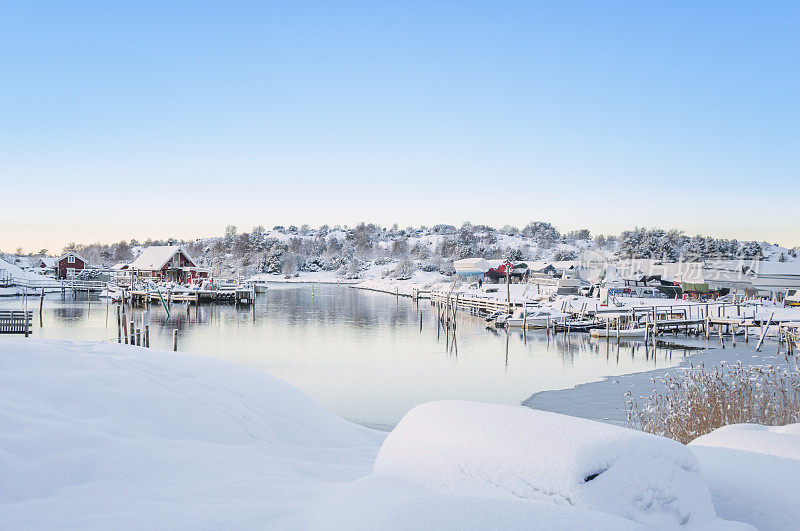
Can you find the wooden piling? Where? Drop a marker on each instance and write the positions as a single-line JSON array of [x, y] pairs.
[[175, 340]]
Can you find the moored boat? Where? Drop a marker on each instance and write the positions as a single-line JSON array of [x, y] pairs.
[[613, 332]]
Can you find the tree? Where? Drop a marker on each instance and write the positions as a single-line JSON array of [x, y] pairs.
[[580, 234], [122, 252]]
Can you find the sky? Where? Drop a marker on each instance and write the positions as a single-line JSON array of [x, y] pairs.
[[145, 119]]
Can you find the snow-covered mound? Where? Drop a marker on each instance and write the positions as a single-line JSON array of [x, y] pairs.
[[477, 449], [753, 473], [114, 436], [783, 441]]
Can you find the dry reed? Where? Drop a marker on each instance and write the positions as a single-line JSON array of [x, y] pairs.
[[694, 401]]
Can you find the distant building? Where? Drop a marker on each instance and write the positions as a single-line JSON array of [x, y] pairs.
[[69, 264], [469, 267], [43, 262], [167, 262]]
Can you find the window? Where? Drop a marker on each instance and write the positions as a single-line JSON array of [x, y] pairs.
[[71, 259]]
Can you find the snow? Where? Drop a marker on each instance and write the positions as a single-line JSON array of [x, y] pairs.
[[104, 435], [489, 450], [17, 272], [782, 441], [753, 473], [384, 503], [101, 435]]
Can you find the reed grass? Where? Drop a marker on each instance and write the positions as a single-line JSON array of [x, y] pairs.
[[694, 401]]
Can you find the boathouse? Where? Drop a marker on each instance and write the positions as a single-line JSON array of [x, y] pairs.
[[469, 267], [69, 264], [167, 262]]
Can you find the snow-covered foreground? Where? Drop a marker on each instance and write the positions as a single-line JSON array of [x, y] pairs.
[[104, 435]]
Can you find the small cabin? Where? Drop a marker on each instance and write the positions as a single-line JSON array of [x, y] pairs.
[[69, 264]]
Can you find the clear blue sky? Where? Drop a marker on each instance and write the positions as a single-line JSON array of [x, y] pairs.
[[136, 119]]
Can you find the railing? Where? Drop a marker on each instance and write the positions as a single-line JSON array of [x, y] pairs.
[[52, 283], [16, 322]]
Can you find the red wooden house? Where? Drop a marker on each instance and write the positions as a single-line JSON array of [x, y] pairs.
[[69, 264]]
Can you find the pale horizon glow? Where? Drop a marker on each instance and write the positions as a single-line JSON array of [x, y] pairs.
[[153, 120]]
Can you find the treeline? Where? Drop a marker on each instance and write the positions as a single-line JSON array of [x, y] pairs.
[[671, 246], [349, 251]]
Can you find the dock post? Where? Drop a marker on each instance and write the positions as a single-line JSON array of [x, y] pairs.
[[174, 339], [119, 327], [146, 328]]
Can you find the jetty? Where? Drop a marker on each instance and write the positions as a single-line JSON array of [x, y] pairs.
[[144, 297]]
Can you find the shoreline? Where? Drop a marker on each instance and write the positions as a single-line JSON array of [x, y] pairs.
[[607, 395]]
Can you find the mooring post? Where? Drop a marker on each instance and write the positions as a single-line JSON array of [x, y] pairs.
[[146, 328], [175, 340]]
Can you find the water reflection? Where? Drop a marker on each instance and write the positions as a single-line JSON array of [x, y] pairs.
[[369, 357]]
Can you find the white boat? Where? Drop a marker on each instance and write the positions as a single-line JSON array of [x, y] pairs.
[[613, 332], [113, 295], [536, 318], [259, 286]]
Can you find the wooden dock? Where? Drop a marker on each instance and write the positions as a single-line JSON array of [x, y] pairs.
[[146, 297]]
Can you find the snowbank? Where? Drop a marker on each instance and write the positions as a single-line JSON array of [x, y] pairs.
[[753, 473], [476, 449], [377, 502], [113, 436], [782, 441]]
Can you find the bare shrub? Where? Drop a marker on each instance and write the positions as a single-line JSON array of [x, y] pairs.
[[694, 401]]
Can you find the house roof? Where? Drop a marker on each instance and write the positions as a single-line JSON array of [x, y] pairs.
[[155, 257], [73, 253], [46, 260], [471, 265]]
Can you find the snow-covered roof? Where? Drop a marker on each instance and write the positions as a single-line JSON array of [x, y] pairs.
[[564, 264], [120, 266], [46, 260], [471, 266], [537, 265], [776, 268], [76, 255], [155, 257]]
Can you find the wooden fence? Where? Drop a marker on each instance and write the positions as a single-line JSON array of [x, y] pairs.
[[16, 322]]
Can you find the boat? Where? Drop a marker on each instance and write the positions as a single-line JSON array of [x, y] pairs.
[[613, 332], [494, 315], [259, 285], [535, 318], [113, 295], [576, 325], [792, 297]]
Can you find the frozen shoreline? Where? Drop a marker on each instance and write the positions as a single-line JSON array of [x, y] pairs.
[[604, 401]]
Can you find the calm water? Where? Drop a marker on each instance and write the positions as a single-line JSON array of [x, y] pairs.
[[366, 356]]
